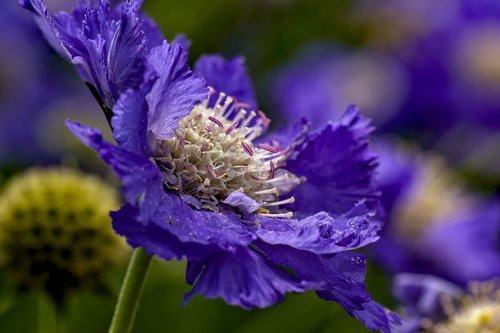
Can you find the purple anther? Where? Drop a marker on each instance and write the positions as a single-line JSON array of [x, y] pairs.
[[264, 120], [216, 121], [232, 127], [211, 172], [247, 148], [242, 105], [269, 148], [272, 170]]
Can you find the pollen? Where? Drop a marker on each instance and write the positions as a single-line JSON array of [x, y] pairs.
[[213, 154], [55, 230]]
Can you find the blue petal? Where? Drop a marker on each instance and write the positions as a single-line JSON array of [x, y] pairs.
[[183, 41], [141, 179], [341, 279], [321, 233], [176, 230], [47, 25], [217, 230], [153, 238], [106, 46], [176, 91], [228, 76], [338, 167], [243, 203], [244, 278], [130, 119]]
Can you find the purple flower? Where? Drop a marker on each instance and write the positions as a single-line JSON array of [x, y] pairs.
[[255, 218], [435, 305], [434, 225], [323, 81]]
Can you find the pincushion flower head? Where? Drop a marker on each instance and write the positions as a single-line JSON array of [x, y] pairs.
[[434, 305], [254, 217], [54, 230]]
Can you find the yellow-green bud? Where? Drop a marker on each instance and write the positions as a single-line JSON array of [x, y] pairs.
[[55, 230]]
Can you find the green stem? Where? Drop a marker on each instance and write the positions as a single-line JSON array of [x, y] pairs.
[[130, 293]]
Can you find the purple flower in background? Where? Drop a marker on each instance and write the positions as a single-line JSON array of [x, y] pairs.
[[434, 305], [254, 217], [322, 82], [434, 225]]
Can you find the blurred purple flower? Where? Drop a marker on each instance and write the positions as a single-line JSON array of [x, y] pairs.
[[434, 225], [435, 305], [201, 185], [322, 82]]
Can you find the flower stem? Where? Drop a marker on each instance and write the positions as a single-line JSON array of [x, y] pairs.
[[130, 293]]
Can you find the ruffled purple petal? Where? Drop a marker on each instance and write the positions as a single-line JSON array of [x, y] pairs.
[[176, 91], [107, 46], [152, 237], [130, 119], [228, 76], [322, 234], [341, 277], [141, 180], [244, 278], [213, 229], [183, 41], [338, 167], [47, 25]]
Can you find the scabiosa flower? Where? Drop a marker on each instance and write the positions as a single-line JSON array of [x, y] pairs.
[[255, 218], [435, 226], [54, 230], [433, 305]]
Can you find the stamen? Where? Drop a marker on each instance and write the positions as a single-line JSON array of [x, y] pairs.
[[264, 120], [216, 121], [247, 148], [211, 172], [231, 128], [272, 169], [269, 148], [219, 99], [268, 191], [249, 119], [287, 215], [277, 203], [240, 105], [240, 115]]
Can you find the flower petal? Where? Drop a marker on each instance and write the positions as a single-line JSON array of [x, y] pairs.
[[244, 278], [107, 46], [130, 119], [228, 76], [141, 180], [341, 279], [337, 165], [321, 233], [176, 91]]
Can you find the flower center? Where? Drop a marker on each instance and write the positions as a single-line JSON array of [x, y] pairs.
[[213, 155], [436, 195], [478, 312]]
